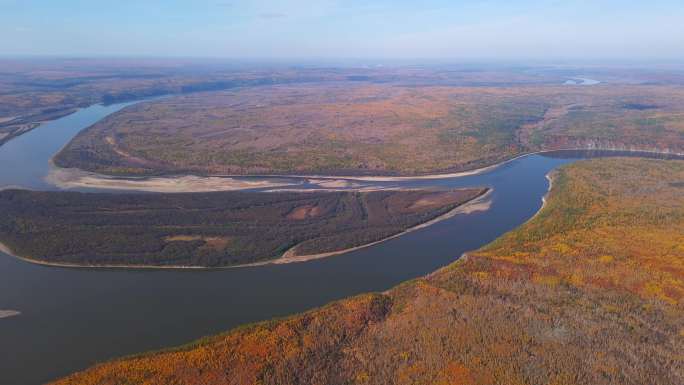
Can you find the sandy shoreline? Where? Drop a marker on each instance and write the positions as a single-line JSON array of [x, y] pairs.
[[483, 169], [68, 178], [550, 177], [74, 178], [479, 203], [9, 313], [6, 250]]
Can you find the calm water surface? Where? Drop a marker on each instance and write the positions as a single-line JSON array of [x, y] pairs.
[[72, 318]]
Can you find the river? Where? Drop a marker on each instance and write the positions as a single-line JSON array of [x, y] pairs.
[[69, 319]]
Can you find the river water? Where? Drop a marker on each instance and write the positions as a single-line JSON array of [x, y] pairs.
[[72, 318]]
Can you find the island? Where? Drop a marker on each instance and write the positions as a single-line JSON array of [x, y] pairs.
[[215, 229], [589, 291]]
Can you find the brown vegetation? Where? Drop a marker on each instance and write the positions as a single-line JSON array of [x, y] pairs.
[[373, 129], [590, 291], [37, 90], [304, 212]]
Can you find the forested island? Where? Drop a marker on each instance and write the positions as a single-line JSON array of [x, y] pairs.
[[588, 292], [214, 229]]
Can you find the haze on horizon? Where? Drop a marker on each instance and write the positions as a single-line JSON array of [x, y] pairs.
[[399, 29]]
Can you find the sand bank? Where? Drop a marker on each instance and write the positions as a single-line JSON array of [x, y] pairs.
[[8, 313], [75, 178], [68, 178], [481, 203]]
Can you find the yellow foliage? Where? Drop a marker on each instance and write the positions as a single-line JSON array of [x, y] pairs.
[[561, 248], [633, 241], [549, 280], [362, 378], [483, 275], [589, 292]]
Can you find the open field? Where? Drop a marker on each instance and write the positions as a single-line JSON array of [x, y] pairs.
[[590, 291], [208, 229], [373, 129]]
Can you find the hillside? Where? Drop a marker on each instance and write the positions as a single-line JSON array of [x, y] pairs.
[[373, 129], [590, 291]]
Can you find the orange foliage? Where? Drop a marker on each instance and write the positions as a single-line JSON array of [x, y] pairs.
[[588, 292]]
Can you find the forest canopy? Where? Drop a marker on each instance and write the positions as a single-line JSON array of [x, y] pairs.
[[208, 229], [590, 291]]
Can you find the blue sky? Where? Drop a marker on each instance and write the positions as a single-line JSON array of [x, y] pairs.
[[439, 29]]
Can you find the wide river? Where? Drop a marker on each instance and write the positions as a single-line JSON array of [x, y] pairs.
[[71, 318]]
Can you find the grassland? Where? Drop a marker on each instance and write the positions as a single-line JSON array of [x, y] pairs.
[[590, 291], [373, 129], [208, 229]]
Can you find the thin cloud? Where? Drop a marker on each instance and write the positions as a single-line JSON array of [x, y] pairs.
[[272, 15]]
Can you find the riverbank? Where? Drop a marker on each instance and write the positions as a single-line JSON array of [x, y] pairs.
[[8, 313], [150, 297], [71, 178], [550, 177], [464, 256], [552, 272], [14, 127], [477, 204]]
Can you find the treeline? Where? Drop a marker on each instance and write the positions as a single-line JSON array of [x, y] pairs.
[[204, 229], [202, 86]]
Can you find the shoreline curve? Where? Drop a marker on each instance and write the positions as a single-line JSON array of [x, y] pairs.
[[550, 176], [69, 178]]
